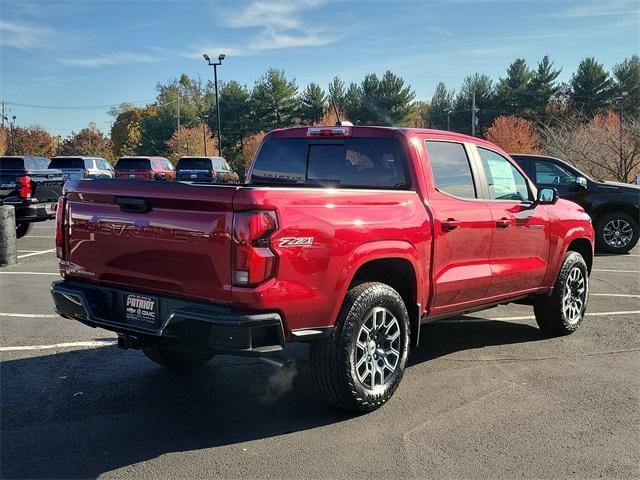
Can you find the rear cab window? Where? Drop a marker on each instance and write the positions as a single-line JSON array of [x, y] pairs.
[[194, 164], [133, 164], [377, 162], [62, 162], [12, 163]]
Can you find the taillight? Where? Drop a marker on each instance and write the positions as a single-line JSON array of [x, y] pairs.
[[253, 262], [24, 187], [60, 227]]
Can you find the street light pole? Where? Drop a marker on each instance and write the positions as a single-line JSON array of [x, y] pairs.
[[13, 135], [215, 82], [204, 133]]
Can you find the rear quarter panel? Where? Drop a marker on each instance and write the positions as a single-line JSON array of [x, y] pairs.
[[349, 228]]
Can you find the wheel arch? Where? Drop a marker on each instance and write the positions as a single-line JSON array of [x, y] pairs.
[[583, 247], [632, 210], [395, 263]]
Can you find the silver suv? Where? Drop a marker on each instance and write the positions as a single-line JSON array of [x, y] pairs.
[[74, 168]]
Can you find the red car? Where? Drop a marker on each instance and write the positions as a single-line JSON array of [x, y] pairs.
[[348, 238], [145, 168]]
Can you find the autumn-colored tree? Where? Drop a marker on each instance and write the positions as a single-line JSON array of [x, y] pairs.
[[330, 117], [251, 145], [514, 134], [89, 142], [599, 147], [32, 140], [191, 141], [4, 139], [126, 131]]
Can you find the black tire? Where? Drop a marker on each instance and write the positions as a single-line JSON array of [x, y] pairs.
[[22, 229], [333, 359], [618, 218], [176, 358], [552, 316]]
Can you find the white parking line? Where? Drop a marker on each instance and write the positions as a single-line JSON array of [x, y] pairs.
[[27, 251], [529, 317], [617, 271], [29, 273], [622, 295], [37, 253], [105, 343], [28, 315]]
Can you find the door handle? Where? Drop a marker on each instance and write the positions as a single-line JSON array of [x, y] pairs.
[[503, 223], [450, 224]]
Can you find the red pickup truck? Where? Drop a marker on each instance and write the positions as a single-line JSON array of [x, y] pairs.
[[345, 237]]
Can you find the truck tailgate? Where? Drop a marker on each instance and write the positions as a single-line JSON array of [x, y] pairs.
[[172, 238]]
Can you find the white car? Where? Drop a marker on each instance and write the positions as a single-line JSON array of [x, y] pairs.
[[74, 168]]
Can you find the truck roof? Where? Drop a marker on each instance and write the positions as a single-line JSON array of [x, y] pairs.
[[365, 130]]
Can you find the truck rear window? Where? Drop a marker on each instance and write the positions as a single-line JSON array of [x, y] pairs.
[[194, 164], [133, 164], [67, 163], [352, 162], [9, 163]]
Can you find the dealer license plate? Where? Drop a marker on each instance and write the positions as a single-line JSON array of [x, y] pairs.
[[140, 308]]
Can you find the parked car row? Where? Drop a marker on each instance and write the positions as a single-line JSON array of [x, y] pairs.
[[33, 184]]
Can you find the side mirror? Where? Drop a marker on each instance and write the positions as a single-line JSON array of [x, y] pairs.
[[547, 196], [581, 182]]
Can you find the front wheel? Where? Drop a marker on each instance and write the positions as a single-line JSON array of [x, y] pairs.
[[617, 232], [360, 365], [22, 229], [176, 358], [563, 311]]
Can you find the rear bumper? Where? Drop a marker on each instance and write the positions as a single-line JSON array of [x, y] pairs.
[[32, 213], [183, 323]]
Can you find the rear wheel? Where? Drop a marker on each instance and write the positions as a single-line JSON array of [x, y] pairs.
[[22, 229], [176, 358], [360, 365], [617, 232], [563, 311]]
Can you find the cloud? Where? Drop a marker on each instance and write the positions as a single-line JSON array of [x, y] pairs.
[[107, 59], [601, 9], [25, 36], [274, 25]]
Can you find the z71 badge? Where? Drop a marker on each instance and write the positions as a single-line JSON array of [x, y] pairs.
[[296, 242]]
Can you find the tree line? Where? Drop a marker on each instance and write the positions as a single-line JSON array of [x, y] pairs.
[[182, 120]]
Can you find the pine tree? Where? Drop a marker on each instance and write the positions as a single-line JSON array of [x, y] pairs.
[[312, 104], [627, 79], [274, 100], [441, 106], [542, 88], [511, 92], [591, 87]]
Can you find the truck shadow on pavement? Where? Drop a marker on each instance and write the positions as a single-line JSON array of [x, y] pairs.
[[77, 414]]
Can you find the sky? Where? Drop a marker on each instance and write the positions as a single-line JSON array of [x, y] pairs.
[[78, 58]]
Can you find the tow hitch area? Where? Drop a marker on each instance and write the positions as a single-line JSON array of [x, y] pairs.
[[128, 341]]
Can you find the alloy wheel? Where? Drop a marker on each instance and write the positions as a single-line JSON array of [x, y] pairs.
[[377, 348]]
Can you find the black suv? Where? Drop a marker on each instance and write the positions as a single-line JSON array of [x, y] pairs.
[[31, 187], [614, 207]]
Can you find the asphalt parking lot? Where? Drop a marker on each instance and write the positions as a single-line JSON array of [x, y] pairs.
[[485, 396]]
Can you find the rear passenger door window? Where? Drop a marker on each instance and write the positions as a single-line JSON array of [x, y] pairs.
[[451, 169]]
